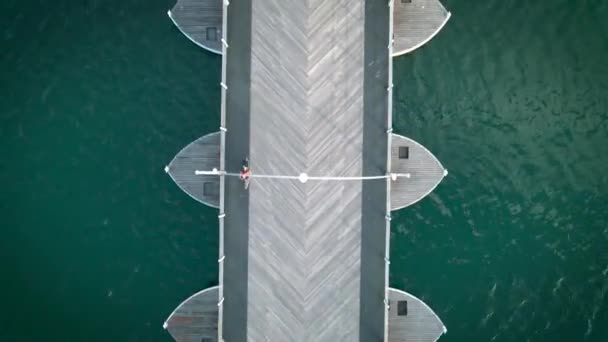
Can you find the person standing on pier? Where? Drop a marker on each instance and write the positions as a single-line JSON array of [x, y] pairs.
[[245, 174]]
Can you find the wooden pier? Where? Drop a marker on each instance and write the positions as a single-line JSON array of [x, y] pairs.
[[416, 22], [306, 95], [410, 319], [420, 170]]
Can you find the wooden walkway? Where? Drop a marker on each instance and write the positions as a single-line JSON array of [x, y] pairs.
[[415, 22], [305, 240], [425, 171], [410, 319], [305, 89]]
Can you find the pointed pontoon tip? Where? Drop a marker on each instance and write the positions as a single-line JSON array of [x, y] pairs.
[[167, 169], [165, 325], [445, 172]]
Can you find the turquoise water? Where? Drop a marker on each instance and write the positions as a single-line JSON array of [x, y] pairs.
[[98, 244]]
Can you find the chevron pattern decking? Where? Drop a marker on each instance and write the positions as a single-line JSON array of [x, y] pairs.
[[306, 116], [415, 22], [195, 319], [305, 92]]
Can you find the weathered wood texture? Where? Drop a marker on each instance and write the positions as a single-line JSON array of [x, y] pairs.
[[420, 324], [200, 21], [304, 249], [416, 22], [424, 169], [201, 154], [195, 319], [426, 172], [306, 92]]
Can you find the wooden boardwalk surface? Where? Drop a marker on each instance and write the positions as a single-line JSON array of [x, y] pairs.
[[417, 323], [195, 320], [305, 240], [306, 90], [425, 171], [200, 21], [201, 154], [415, 22]]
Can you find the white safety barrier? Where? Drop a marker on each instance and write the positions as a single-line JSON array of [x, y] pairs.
[[303, 177]]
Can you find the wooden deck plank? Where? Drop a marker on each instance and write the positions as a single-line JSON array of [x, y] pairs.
[[200, 21], [416, 22], [201, 154], [420, 324], [306, 116], [195, 319], [425, 171], [306, 92]]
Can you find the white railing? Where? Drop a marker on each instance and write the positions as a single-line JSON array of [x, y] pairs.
[[223, 131], [389, 131]]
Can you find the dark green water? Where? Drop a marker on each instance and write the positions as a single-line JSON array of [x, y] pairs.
[[98, 244]]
